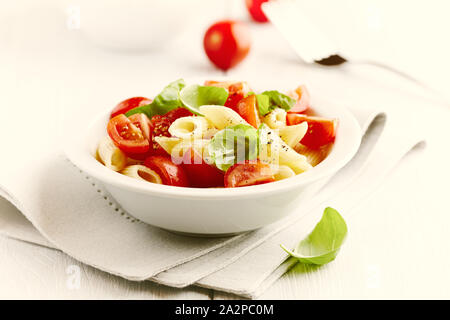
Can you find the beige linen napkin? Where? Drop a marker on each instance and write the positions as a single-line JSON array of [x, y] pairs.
[[268, 262], [72, 212]]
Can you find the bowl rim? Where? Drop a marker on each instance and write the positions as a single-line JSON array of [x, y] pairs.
[[348, 138]]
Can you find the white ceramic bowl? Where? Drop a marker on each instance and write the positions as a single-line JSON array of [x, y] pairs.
[[134, 24], [215, 211]]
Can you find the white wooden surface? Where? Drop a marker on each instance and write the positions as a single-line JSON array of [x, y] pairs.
[[398, 241]]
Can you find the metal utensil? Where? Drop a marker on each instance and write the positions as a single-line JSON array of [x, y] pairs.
[[313, 46]]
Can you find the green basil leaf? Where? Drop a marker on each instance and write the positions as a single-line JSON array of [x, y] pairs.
[[195, 96], [263, 103], [167, 100], [276, 99], [232, 145], [323, 243]]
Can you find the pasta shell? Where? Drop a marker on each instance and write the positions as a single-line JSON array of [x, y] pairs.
[[111, 156], [141, 172]]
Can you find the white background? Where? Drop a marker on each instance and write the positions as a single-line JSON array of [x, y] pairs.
[[398, 245]]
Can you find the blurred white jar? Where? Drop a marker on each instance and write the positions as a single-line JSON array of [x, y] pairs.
[[133, 24]]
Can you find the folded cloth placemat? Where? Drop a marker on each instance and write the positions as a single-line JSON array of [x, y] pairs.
[[73, 213]]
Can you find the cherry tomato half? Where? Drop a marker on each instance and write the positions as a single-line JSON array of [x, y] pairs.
[[301, 94], [160, 127], [227, 43], [142, 122], [254, 8], [247, 109], [170, 173], [321, 131], [129, 104], [127, 136], [248, 174], [200, 173]]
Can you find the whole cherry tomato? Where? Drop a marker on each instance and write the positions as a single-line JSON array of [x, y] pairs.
[[254, 8], [227, 43]]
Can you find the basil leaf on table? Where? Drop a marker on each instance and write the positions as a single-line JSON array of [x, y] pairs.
[[232, 145], [167, 100], [195, 96], [276, 99], [323, 243]]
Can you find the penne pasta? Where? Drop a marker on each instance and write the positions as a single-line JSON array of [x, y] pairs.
[[141, 172], [167, 143], [275, 119], [293, 134], [192, 127], [294, 160], [314, 156], [200, 146], [283, 172], [275, 151], [221, 117], [111, 156], [131, 161]]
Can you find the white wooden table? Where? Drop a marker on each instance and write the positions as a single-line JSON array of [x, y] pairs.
[[398, 241]]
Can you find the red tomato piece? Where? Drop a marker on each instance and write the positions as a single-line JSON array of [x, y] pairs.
[[247, 109], [321, 131], [170, 173], [227, 43], [177, 113], [160, 127], [200, 174], [127, 136], [236, 91], [301, 94], [233, 100], [254, 8], [141, 121], [129, 104], [248, 174]]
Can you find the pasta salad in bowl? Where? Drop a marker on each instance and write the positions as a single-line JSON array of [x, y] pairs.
[[216, 158]]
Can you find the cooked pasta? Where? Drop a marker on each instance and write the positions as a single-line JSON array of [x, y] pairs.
[[141, 172], [131, 161], [293, 134], [283, 172], [273, 150], [192, 127], [111, 156], [200, 146], [275, 119], [314, 156], [221, 134], [221, 117], [167, 143]]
